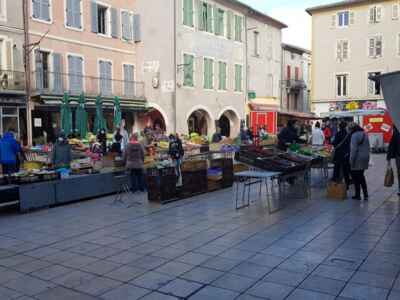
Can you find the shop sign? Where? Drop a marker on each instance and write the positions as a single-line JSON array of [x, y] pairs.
[[353, 105], [252, 95], [151, 66], [37, 122], [168, 86]]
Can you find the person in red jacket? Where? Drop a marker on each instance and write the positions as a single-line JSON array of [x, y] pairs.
[[327, 132]]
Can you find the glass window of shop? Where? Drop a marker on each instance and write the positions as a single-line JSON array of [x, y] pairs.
[[9, 118]]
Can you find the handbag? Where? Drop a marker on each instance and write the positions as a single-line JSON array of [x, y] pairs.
[[389, 177], [336, 190]]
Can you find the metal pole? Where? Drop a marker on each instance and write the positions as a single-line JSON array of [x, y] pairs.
[[27, 67], [174, 96]]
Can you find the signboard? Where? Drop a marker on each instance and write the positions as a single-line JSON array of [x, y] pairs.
[[168, 86], [151, 66], [352, 105], [252, 95], [37, 122]]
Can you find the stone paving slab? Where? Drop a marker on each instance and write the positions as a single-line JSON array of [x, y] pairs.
[[201, 248]]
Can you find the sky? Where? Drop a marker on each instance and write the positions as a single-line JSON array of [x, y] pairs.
[[293, 14]]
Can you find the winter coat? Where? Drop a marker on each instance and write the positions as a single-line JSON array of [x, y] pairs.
[[134, 156], [394, 146], [341, 142], [175, 149], [318, 137], [359, 151], [288, 135], [9, 149], [62, 155]]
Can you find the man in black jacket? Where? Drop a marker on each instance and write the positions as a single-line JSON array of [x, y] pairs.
[[341, 159], [394, 152]]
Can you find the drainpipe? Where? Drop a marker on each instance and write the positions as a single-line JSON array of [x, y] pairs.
[[174, 101], [27, 68], [246, 65]]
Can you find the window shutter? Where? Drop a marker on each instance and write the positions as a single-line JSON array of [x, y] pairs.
[[188, 12], [395, 11], [378, 13], [371, 85], [36, 8], [57, 73], [129, 78], [371, 51], [371, 15], [70, 12], [94, 20], [137, 30], [345, 49], [210, 18], [378, 46], [229, 25], [200, 21], [125, 25], [351, 18], [334, 18], [77, 13], [45, 10], [216, 20], [114, 22], [339, 51], [38, 70]]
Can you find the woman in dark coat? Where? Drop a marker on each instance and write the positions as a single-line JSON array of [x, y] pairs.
[[341, 158], [288, 135], [394, 152]]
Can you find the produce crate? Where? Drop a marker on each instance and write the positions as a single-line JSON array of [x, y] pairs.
[[194, 182], [162, 188], [160, 172], [194, 165]]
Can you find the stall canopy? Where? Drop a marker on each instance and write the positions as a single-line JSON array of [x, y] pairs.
[[99, 121], [354, 113], [117, 112], [300, 115], [81, 117], [390, 83], [66, 115]]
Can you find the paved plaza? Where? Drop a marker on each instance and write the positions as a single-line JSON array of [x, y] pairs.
[[202, 248]]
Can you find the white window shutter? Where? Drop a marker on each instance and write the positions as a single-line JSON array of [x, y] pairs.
[[351, 18], [371, 85], [395, 11], [378, 46], [339, 50], [334, 18], [378, 14], [371, 45], [345, 49], [372, 15]]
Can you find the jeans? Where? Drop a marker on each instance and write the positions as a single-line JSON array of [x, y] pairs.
[[342, 170], [178, 163], [360, 182], [137, 180]]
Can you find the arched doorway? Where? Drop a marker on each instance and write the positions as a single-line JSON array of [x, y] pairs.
[[199, 122], [154, 120], [229, 123]]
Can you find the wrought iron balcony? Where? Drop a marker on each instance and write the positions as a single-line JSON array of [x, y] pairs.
[[294, 84], [56, 84], [12, 82]]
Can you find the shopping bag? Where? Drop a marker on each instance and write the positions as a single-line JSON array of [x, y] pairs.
[[336, 190], [389, 177]]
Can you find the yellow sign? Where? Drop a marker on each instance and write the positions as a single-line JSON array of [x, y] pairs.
[[352, 105], [376, 120]]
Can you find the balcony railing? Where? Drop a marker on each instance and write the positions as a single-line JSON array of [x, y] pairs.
[[295, 84], [12, 81], [50, 83]]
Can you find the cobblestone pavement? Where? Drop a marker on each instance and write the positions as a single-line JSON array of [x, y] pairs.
[[202, 248]]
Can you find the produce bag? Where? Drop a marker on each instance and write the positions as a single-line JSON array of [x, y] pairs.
[[337, 191], [389, 177]]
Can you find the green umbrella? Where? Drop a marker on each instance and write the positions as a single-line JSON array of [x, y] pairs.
[[81, 117], [66, 115], [99, 121], [117, 112]]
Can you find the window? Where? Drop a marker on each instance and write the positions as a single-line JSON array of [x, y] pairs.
[[219, 22], [3, 10], [188, 70], [395, 11], [238, 28], [375, 14], [238, 78], [288, 73], [256, 35], [73, 13], [188, 13], [342, 50], [208, 73], [102, 17], [41, 10], [129, 80], [343, 19], [374, 87], [205, 17], [375, 47], [222, 76], [341, 85], [42, 70], [104, 20], [75, 74], [296, 73], [127, 25], [105, 70]]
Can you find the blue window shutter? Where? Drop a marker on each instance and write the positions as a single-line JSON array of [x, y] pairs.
[[94, 16], [114, 22], [45, 10], [70, 12], [57, 72], [129, 85], [77, 14], [36, 8], [38, 70], [125, 25], [137, 28]]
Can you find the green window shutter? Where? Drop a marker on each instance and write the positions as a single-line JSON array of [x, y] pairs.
[[229, 25], [215, 19], [238, 78], [188, 70], [205, 73], [238, 28], [208, 73], [209, 18], [222, 76], [200, 20], [188, 13]]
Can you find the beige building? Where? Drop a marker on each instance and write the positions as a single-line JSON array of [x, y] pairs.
[[12, 79], [352, 40], [194, 62], [84, 47]]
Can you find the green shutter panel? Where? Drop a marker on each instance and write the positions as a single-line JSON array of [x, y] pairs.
[[229, 25], [209, 18], [205, 73], [188, 12], [215, 18], [200, 21]]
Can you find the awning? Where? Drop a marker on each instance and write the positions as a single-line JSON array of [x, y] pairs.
[[300, 115], [354, 113], [263, 107]]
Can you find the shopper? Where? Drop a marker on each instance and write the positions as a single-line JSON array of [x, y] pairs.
[[217, 136], [176, 153], [394, 152], [9, 150], [318, 137], [341, 157], [288, 135], [61, 156], [327, 132], [116, 146], [134, 162], [102, 139], [359, 160]]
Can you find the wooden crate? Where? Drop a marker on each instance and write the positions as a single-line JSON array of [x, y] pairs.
[[194, 165]]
